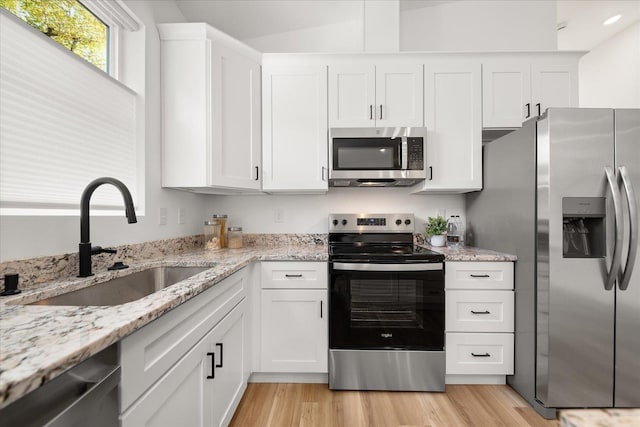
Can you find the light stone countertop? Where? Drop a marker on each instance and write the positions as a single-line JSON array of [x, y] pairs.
[[38, 343], [470, 253], [600, 417]]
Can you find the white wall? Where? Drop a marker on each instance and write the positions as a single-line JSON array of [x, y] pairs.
[[473, 25], [466, 25], [26, 237], [308, 213], [340, 37], [609, 75]]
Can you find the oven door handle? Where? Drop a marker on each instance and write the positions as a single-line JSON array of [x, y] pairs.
[[352, 266]]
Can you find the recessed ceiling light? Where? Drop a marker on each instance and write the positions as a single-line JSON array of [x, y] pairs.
[[612, 20]]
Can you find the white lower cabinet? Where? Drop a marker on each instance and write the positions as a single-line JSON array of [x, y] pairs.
[[199, 385], [294, 321], [480, 354], [294, 330], [479, 320]]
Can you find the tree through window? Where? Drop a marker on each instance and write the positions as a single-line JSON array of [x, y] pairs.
[[69, 23]]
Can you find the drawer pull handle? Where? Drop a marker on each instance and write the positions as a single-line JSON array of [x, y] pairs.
[[481, 355], [480, 275], [481, 312], [293, 275], [213, 366], [221, 354]]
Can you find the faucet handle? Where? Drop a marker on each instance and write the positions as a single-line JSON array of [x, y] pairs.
[[95, 250]]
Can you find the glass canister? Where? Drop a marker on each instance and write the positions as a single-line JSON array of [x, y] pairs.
[[235, 237], [212, 232], [222, 219]]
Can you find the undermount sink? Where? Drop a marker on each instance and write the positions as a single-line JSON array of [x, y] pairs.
[[124, 289]]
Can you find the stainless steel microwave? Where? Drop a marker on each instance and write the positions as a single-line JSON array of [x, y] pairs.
[[377, 157]]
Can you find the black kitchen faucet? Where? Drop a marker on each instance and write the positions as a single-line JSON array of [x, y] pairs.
[[84, 248]]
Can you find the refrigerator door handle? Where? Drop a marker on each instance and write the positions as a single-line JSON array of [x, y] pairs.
[[625, 275], [616, 259]]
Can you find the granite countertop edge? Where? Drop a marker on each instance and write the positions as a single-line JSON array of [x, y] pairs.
[[38, 343]]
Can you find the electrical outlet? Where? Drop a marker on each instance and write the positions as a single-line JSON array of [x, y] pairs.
[[162, 216], [279, 216], [182, 215]]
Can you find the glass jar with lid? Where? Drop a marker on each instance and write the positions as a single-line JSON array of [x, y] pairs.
[[235, 237], [212, 231], [222, 219]]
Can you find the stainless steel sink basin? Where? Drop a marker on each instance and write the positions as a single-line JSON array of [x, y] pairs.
[[124, 289]]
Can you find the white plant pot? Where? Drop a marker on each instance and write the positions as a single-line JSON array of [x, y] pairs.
[[438, 240]]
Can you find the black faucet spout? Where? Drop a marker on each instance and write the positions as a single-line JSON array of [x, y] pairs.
[[84, 248]]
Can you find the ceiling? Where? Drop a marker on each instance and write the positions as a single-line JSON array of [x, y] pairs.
[[246, 19], [584, 19]]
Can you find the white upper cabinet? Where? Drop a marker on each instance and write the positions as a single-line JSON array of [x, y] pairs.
[[453, 111], [295, 128], [211, 110], [352, 95], [387, 94], [514, 90]]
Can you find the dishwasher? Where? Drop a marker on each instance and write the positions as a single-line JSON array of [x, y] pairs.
[[86, 394]]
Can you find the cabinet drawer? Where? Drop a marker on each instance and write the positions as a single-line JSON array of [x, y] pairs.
[[479, 311], [488, 354], [478, 275], [294, 275], [151, 351]]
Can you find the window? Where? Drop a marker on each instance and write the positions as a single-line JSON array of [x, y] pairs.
[[69, 23], [64, 122]]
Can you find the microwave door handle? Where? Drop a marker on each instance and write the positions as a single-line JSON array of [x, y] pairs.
[[404, 156]]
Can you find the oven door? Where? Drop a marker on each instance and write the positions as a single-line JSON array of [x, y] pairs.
[[386, 306]]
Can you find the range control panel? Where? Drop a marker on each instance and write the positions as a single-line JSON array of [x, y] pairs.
[[371, 223]]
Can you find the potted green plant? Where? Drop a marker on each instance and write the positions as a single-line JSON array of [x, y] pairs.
[[435, 229]]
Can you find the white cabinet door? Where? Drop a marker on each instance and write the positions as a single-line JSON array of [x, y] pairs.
[[295, 128], [294, 330], [453, 113], [236, 121], [506, 88], [352, 95], [554, 84], [230, 342], [399, 99], [183, 396], [210, 110]]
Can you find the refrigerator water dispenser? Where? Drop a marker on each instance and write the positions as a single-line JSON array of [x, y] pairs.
[[583, 227]]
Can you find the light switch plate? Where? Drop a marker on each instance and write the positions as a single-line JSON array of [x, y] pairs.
[[279, 215], [162, 216], [182, 215]]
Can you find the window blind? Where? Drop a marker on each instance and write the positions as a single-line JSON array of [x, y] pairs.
[[63, 123]]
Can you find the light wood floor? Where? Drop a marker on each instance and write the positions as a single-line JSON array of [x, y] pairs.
[[280, 405]]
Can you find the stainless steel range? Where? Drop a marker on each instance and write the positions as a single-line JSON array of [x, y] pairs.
[[386, 306]]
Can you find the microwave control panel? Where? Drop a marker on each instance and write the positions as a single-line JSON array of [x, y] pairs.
[[415, 154]]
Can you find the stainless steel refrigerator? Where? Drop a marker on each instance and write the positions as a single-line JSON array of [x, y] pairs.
[[559, 193]]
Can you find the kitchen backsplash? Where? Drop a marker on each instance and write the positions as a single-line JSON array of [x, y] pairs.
[[39, 270], [35, 271]]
